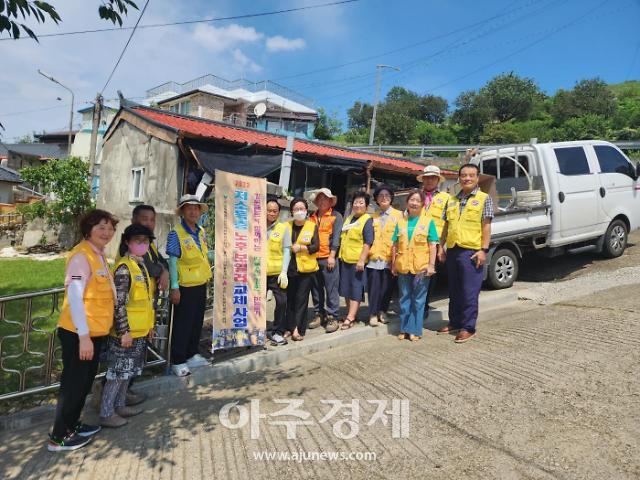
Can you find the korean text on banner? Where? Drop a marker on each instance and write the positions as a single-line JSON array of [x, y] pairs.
[[240, 268]]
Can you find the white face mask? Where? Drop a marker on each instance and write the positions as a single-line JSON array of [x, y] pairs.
[[299, 215]]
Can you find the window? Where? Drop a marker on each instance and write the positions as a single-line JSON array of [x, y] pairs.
[[183, 108], [489, 167], [612, 161], [273, 126], [509, 169], [137, 184], [572, 161]]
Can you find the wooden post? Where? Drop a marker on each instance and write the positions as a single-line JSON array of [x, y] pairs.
[[97, 111]]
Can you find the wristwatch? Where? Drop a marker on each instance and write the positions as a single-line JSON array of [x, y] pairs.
[[485, 250]]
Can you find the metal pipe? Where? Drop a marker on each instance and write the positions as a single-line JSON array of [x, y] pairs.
[[70, 114]]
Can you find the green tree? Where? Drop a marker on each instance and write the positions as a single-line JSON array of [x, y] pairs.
[[473, 112], [517, 132], [12, 12], [433, 109], [360, 115], [394, 127], [327, 126], [512, 97], [427, 133], [65, 182], [586, 127], [587, 97]]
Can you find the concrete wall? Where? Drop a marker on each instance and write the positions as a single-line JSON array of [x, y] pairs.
[[128, 148], [202, 105]]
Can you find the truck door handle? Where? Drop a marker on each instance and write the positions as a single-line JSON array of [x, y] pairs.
[[603, 192], [561, 197]]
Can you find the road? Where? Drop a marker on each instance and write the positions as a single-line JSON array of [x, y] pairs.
[[544, 392]]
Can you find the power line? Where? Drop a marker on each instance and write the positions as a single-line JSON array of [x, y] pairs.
[[407, 47], [125, 47], [190, 22], [12, 114]]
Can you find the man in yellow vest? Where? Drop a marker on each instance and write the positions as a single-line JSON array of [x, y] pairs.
[[435, 203], [190, 271], [467, 235], [278, 256]]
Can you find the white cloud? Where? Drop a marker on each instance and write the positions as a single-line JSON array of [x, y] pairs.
[[244, 63], [218, 39], [279, 43]]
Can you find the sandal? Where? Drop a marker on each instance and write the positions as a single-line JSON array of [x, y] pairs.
[[402, 336], [347, 324], [414, 338], [296, 337]]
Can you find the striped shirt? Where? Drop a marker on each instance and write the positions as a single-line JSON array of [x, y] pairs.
[[173, 242]]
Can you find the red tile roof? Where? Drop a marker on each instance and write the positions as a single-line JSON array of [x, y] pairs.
[[220, 131]]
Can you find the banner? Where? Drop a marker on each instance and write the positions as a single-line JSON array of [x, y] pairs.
[[239, 301]]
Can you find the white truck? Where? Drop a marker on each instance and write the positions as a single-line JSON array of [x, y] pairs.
[[558, 197]]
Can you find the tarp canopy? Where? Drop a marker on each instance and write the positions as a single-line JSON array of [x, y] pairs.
[[249, 161]]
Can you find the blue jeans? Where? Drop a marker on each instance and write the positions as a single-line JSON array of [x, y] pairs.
[[413, 296]]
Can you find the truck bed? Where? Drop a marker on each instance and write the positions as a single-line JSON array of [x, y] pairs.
[[521, 223]]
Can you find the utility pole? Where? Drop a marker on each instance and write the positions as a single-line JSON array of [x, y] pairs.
[[379, 68], [97, 111], [70, 134]]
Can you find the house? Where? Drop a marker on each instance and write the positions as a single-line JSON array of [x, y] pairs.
[[58, 137], [265, 106], [8, 179], [19, 155], [82, 141], [154, 156]]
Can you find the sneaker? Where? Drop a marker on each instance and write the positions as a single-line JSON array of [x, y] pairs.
[[125, 412], [134, 398], [332, 325], [114, 421], [85, 430], [373, 321], [180, 370], [382, 318], [197, 361], [278, 339], [316, 322], [72, 441]]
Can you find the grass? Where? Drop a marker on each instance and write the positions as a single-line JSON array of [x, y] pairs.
[[20, 276]]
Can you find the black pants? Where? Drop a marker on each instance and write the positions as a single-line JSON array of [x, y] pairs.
[[188, 316], [298, 302], [75, 382], [379, 290], [280, 296]]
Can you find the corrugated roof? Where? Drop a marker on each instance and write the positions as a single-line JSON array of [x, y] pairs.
[[40, 150], [231, 133]]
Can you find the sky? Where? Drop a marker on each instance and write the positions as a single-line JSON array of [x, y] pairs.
[[329, 54]]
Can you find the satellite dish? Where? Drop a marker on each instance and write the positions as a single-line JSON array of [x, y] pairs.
[[260, 109]]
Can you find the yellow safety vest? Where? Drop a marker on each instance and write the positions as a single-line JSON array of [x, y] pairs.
[[274, 248], [193, 265], [306, 262], [412, 256], [98, 295], [438, 205], [381, 248], [152, 281], [140, 305], [352, 239], [465, 230]]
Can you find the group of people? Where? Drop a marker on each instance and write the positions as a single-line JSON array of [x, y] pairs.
[[108, 314], [329, 258]]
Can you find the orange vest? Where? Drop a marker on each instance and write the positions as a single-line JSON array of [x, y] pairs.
[[325, 227], [98, 295]]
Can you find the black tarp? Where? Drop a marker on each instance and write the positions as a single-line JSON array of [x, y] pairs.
[[255, 163]]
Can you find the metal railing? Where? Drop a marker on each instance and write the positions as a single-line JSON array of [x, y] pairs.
[[230, 85], [30, 359]]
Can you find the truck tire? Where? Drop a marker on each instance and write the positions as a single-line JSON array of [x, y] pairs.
[[615, 239], [503, 269]]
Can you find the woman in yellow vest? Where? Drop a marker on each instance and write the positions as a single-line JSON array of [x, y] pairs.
[[85, 322], [278, 255], [379, 278], [133, 321], [355, 242], [413, 256], [189, 272], [305, 244]]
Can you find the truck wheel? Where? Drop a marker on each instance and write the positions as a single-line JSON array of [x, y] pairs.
[[615, 239], [503, 269]]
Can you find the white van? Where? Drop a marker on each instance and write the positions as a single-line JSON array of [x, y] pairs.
[[556, 197]]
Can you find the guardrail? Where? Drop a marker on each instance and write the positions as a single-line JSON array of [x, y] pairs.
[[30, 355]]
